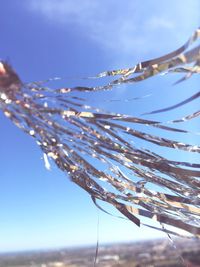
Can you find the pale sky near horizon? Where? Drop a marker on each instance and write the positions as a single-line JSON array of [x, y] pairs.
[[47, 38]]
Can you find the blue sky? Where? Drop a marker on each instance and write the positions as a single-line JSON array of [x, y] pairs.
[[48, 38]]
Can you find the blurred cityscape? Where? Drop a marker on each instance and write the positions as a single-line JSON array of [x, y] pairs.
[[156, 253]]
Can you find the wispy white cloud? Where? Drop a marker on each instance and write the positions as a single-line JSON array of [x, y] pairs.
[[135, 27], [65, 11], [160, 23]]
